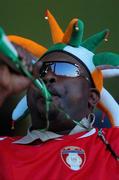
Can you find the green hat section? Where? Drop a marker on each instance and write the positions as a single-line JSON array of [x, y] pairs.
[[106, 58], [92, 42], [83, 50], [77, 34]]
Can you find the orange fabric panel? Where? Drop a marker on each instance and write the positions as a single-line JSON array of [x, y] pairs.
[[56, 32], [31, 46], [98, 79], [68, 31]]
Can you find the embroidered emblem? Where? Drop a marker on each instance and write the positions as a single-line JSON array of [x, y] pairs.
[[73, 157]]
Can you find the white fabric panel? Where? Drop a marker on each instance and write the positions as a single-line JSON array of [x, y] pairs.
[[83, 54], [107, 73], [20, 109]]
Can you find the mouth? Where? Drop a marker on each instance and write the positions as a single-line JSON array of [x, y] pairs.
[[54, 92], [55, 96]]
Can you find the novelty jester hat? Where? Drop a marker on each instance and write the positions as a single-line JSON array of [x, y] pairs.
[[101, 65]]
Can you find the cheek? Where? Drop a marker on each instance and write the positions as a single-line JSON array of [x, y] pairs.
[[76, 106], [76, 91], [33, 97], [76, 97]]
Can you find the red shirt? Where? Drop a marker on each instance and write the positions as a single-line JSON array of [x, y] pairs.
[[73, 157]]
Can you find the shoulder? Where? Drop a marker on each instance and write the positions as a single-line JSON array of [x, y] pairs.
[[112, 132], [5, 140], [112, 136]]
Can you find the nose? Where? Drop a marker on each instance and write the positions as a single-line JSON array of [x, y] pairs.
[[49, 78]]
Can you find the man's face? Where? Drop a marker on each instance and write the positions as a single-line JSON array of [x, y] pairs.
[[70, 89]]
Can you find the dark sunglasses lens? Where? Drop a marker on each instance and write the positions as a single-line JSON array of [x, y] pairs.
[[60, 68]]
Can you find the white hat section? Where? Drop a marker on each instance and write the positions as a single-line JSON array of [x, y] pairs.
[[20, 109], [83, 54], [108, 73]]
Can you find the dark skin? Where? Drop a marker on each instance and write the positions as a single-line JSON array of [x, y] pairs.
[[12, 84], [11, 81], [66, 94], [73, 96]]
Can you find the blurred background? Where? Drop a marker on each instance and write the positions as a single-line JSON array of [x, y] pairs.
[[26, 18]]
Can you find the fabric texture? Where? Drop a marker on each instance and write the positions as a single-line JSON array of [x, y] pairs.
[[54, 159]]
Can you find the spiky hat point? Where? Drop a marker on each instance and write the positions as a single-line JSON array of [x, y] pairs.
[[71, 41]]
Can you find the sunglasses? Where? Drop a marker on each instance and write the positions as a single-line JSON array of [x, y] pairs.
[[61, 69]]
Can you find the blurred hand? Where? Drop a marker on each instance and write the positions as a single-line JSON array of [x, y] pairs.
[[11, 81]]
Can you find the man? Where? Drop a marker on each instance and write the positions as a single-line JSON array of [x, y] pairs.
[[74, 95], [61, 142]]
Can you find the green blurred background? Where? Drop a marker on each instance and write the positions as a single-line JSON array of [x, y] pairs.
[[26, 18]]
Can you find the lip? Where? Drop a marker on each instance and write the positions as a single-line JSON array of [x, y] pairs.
[[55, 99], [55, 103], [54, 96], [53, 92]]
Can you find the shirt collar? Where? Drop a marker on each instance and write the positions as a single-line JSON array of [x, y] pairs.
[[48, 135]]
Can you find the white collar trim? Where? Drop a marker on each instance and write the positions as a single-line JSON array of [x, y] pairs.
[[91, 132]]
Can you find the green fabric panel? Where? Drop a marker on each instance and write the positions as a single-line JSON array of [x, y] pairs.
[[77, 35], [106, 58], [59, 46], [92, 42]]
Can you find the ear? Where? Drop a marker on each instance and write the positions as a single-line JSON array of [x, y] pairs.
[[94, 97]]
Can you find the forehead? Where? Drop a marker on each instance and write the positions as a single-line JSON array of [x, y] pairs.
[[64, 57]]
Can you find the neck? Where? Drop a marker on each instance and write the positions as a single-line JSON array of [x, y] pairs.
[[67, 127], [81, 126]]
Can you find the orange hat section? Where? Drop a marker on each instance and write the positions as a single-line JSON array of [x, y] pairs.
[[68, 32], [56, 32], [31, 46], [98, 79]]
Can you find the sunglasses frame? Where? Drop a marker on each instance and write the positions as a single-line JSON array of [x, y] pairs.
[[50, 55]]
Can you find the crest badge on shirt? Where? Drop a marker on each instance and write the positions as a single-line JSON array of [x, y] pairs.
[[73, 157]]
